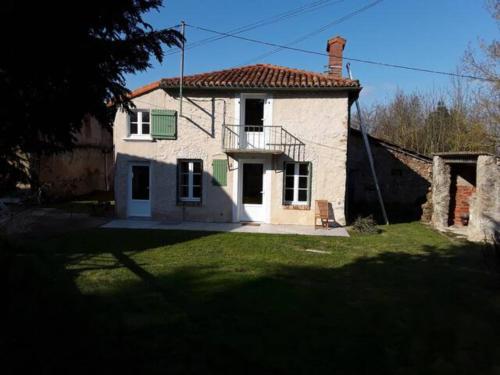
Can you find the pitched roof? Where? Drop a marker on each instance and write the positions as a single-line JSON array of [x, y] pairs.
[[393, 146], [262, 76], [144, 89]]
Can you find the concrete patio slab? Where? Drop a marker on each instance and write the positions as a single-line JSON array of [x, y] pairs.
[[226, 227]]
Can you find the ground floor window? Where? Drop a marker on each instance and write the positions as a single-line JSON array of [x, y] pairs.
[[297, 183], [189, 180]]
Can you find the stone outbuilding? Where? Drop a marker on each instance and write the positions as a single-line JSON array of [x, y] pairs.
[[466, 194], [87, 168], [404, 177]]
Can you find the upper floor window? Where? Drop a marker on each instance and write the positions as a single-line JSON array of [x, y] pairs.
[[297, 184], [139, 124]]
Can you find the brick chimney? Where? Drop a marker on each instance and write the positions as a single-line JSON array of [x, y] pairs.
[[335, 48]]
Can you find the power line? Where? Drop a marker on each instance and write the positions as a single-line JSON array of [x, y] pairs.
[[266, 21], [388, 65], [317, 31], [273, 19]]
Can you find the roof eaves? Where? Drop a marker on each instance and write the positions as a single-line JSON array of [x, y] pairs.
[[232, 86], [145, 89], [395, 147]]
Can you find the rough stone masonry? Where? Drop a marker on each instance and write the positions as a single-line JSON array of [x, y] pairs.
[[481, 203], [484, 224]]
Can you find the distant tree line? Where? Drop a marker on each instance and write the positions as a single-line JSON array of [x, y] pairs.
[[429, 123]]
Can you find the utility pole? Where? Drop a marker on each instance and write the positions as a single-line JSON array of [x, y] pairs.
[[183, 32], [369, 152]]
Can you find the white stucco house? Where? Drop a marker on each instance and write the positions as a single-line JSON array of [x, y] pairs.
[[257, 143]]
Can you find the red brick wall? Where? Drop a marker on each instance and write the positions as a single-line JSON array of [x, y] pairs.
[[335, 48], [463, 195]]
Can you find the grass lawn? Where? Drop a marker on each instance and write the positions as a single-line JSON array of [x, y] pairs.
[[406, 301]]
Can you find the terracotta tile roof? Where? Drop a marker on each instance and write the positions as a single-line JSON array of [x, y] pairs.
[[144, 89], [261, 76]]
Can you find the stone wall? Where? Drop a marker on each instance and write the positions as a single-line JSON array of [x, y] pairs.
[[76, 173], [460, 188], [441, 182], [404, 178], [94, 134], [484, 223], [87, 168]]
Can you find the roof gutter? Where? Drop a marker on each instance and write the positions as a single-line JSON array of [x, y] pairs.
[[240, 88]]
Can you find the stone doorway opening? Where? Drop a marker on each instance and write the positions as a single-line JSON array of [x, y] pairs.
[[462, 188], [466, 194]]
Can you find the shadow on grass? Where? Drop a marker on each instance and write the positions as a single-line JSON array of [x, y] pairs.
[[435, 312]]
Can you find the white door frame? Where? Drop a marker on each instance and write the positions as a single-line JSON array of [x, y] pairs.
[[240, 117], [238, 188], [147, 204]]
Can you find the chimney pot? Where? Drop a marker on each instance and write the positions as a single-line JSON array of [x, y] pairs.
[[335, 48]]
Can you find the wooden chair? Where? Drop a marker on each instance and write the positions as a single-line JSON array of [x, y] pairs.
[[322, 213]]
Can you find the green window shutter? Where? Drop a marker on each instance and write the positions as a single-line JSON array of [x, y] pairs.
[[309, 183], [219, 176], [164, 123], [283, 202]]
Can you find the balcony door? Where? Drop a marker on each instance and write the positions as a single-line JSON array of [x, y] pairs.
[[255, 114]]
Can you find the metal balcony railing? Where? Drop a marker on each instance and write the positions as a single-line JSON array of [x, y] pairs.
[[259, 139]]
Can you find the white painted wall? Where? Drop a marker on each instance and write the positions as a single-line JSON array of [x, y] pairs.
[[320, 120]]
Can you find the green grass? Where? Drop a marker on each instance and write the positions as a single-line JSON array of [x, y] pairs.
[[406, 301]]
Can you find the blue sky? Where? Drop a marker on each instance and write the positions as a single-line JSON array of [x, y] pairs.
[[431, 34]]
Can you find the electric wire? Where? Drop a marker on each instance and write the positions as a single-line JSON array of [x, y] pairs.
[[364, 61]]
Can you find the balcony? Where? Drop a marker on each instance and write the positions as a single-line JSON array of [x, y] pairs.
[[266, 139]]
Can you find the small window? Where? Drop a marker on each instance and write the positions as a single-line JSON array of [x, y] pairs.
[[139, 124], [297, 183], [189, 180]]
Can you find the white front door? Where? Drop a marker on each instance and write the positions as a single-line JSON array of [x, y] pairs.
[[252, 192], [139, 197]]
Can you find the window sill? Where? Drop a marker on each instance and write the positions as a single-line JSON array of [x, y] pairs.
[[300, 207], [188, 203], [165, 138], [138, 139]]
